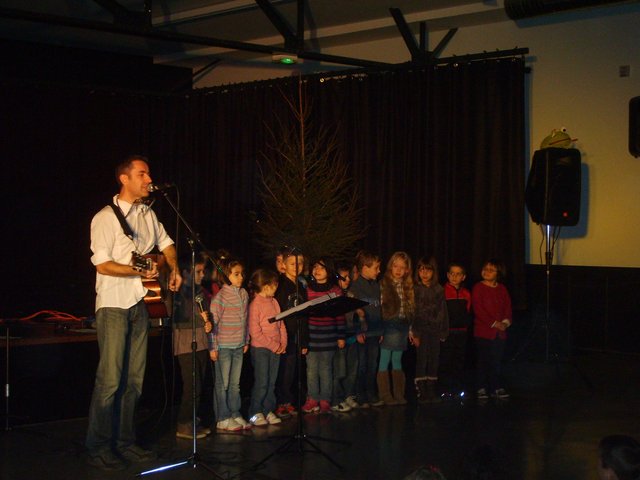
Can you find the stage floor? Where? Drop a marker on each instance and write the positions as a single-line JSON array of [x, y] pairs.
[[549, 429]]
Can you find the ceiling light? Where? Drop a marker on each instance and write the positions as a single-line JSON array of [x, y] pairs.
[[284, 58]]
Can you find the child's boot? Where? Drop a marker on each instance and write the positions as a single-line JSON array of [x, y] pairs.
[[398, 387], [384, 391], [421, 389]]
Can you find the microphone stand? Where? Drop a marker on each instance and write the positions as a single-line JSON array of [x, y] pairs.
[[300, 438], [194, 459]]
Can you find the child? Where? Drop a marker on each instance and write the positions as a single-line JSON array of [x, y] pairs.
[[290, 293], [366, 287], [213, 280], [227, 344], [452, 354], [182, 339], [398, 307], [492, 309], [280, 254], [268, 342], [326, 334], [619, 458], [345, 361], [430, 327]]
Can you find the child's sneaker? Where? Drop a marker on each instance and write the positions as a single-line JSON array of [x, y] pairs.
[[242, 422], [282, 411], [325, 407], [291, 409], [310, 406], [482, 394], [273, 419], [342, 407], [259, 421], [230, 425], [500, 394], [351, 401]]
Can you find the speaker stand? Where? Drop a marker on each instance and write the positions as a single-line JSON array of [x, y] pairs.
[[545, 325]]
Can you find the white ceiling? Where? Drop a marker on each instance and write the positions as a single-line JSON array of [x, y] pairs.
[[328, 23]]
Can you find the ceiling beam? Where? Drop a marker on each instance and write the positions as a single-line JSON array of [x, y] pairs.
[[424, 36], [485, 9], [165, 35], [290, 38], [208, 11], [443, 43], [124, 15], [417, 54], [420, 52]]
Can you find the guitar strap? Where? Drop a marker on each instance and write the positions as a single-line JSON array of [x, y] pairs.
[[154, 299], [125, 226], [123, 222]]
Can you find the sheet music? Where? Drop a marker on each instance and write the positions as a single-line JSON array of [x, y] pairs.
[[303, 306]]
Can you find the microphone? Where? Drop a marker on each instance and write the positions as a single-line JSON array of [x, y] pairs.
[[152, 187], [199, 299]]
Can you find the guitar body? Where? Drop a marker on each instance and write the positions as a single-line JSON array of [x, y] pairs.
[[157, 300]]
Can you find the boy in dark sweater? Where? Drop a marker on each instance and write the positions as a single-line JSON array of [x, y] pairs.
[[452, 352], [367, 288], [289, 295]]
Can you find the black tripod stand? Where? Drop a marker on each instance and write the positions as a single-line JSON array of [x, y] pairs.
[[194, 459], [299, 440], [545, 325], [551, 355]]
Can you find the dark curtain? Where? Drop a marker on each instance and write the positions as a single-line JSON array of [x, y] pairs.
[[59, 149], [437, 157]]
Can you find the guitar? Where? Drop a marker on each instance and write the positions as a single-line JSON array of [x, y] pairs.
[[156, 300]]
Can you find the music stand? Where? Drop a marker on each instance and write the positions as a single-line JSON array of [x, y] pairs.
[[194, 459], [329, 305]]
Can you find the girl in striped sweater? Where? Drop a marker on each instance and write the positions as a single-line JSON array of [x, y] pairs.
[[228, 342], [326, 335]]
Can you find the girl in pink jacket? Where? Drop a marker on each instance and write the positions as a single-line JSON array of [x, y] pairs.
[[268, 342]]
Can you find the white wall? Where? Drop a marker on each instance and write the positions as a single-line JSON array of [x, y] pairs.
[[574, 83]]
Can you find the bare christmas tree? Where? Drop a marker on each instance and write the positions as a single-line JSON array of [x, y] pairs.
[[308, 195]]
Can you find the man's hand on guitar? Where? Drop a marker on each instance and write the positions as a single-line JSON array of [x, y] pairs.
[[144, 266], [150, 274]]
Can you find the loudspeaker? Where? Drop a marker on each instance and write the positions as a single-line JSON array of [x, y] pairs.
[[634, 126], [553, 187]]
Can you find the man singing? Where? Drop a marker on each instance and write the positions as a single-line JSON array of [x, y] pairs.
[[122, 320]]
